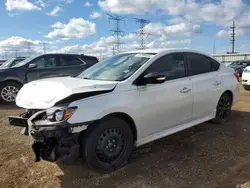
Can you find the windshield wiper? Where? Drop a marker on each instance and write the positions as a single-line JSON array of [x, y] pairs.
[[86, 78]]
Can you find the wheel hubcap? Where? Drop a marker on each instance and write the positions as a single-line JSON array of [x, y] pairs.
[[224, 107], [9, 93], [110, 145]]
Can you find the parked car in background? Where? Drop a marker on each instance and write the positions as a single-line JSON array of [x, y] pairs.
[[38, 67], [124, 101], [12, 62], [245, 80], [239, 66]]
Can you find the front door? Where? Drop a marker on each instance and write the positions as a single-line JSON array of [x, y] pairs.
[[45, 67], [163, 106]]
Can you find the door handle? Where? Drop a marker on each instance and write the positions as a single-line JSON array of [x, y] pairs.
[[185, 90], [216, 83]]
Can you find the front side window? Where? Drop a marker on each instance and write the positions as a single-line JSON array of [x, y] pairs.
[[45, 62], [171, 65], [116, 68], [198, 64]]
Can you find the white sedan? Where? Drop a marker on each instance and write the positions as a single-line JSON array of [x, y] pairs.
[[127, 100]]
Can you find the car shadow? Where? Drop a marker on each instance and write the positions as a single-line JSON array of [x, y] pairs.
[[8, 106], [202, 155]]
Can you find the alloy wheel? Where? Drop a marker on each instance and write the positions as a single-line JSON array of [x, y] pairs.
[[224, 107], [9, 93]]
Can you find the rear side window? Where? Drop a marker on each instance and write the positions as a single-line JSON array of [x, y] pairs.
[[215, 65], [198, 64], [69, 61], [89, 60], [171, 65]]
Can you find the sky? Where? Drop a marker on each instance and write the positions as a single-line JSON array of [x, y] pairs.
[[28, 27]]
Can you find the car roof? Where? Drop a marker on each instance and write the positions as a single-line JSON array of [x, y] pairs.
[[164, 50], [68, 54]]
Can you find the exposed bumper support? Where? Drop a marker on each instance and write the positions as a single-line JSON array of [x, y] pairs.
[[51, 141], [20, 122]]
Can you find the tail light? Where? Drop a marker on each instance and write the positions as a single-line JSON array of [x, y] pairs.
[[237, 76]]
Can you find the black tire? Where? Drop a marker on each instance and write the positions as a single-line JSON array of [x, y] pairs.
[[101, 154], [246, 88], [11, 84], [223, 110]]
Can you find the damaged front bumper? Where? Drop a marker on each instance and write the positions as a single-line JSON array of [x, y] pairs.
[[51, 141]]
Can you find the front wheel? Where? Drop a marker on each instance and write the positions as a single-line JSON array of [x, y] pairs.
[[8, 92], [107, 145], [223, 109]]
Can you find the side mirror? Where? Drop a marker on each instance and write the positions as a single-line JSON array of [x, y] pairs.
[[32, 66], [154, 78]]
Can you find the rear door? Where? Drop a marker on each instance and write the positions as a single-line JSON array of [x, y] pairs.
[[207, 84], [70, 65], [45, 67]]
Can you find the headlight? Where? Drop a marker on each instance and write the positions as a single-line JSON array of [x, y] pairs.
[[246, 71], [64, 114]]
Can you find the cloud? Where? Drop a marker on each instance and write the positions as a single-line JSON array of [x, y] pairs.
[[227, 33], [87, 4], [20, 5], [76, 28], [64, 1], [21, 45], [95, 15], [162, 32], [41, 3], [103, 47], [55, 11], [221, 12]]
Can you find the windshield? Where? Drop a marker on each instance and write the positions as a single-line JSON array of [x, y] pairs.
[[116, 68], [7, 63], [11, 62], [24, 61]]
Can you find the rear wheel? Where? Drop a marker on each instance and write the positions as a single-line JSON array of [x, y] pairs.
[[223, 109], [108, 144], [8, 92]]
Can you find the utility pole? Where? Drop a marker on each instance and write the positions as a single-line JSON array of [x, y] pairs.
[[214, 48], [117, 31], [233, 37], [5, 54], [44, 48], [141, 32], [16, 52], [113, 50], [29, 48]]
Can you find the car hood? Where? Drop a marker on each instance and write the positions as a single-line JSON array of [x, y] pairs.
[[43, 94]]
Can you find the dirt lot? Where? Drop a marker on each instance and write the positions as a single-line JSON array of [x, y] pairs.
[[207, 155]]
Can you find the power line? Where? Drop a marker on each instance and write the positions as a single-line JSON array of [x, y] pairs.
[[233, 37], [141, 32], [117, 31]]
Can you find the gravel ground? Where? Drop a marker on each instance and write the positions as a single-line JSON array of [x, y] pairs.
[[206, 155]]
